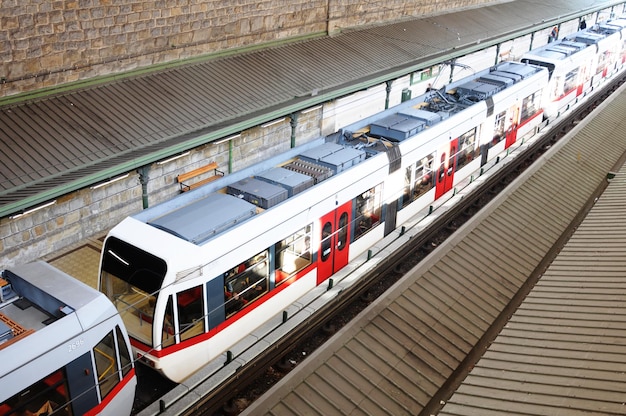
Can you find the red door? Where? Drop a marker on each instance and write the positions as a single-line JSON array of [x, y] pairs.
[[511, 136], [447, 166], [335, 239]]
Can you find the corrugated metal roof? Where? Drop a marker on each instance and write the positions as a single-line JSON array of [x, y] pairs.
[[399, 354], [564, 349], [60, 143]]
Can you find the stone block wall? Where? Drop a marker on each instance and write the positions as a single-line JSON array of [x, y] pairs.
[[89, 212], [49, 43]]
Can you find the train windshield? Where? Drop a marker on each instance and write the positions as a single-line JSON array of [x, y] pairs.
[[132, 279]]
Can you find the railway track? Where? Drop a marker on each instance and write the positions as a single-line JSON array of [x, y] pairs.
[[232, 396]]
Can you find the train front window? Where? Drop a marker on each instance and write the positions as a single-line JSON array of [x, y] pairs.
[[131, 278]]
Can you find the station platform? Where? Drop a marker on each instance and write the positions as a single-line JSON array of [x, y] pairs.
[[80, 260]]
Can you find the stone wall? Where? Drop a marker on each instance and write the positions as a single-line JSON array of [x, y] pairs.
[[49, 43], [90, 212]]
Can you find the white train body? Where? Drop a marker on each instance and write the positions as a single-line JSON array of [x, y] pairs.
[[66, 351], [193, 276], [579, 62]]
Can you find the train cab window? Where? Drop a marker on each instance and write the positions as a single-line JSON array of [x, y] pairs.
[[467, 148], [131, 278], [45, 397], [191, 314], [107, 366], [368, 209], [293, 254], [246, 283], [124, 351], [499, 128]]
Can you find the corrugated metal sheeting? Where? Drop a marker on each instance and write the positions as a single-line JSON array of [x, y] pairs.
[[60, 143], [564, 350], [401, 353]]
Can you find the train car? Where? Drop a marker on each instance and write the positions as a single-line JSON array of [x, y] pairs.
[[63, 347], [192, 276], [615, 27], [461, 127], [577, 63]]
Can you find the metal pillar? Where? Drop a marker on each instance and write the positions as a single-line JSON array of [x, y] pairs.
[[143, 179], [294, 123]]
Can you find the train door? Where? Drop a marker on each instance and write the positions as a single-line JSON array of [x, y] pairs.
[[335, 233], [447, 166]]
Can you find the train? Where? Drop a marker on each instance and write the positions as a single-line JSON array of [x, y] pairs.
[[579, 62], [64, 348], [194, 275]]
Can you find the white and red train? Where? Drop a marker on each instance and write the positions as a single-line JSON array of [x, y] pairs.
[[579, 62], [64, 349], [193, 276]]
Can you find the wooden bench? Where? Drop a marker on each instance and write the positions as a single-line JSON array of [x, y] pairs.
[[184, 177]]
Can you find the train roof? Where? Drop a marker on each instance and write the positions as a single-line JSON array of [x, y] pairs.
[[569, 45], [558, 50], [617, 23], [42, 307], [407, 119], [587, 37], [242, 198]]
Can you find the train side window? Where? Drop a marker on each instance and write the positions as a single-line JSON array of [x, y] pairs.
[[190, 312], [368, 208], [106, 364], [603, 61], [293, 254], [423, 179], [570, 82], [246, 283], [46, 396], [168, 332], [498, 128], [124, 350], [467, 148], [406, 194], [530, 106]]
